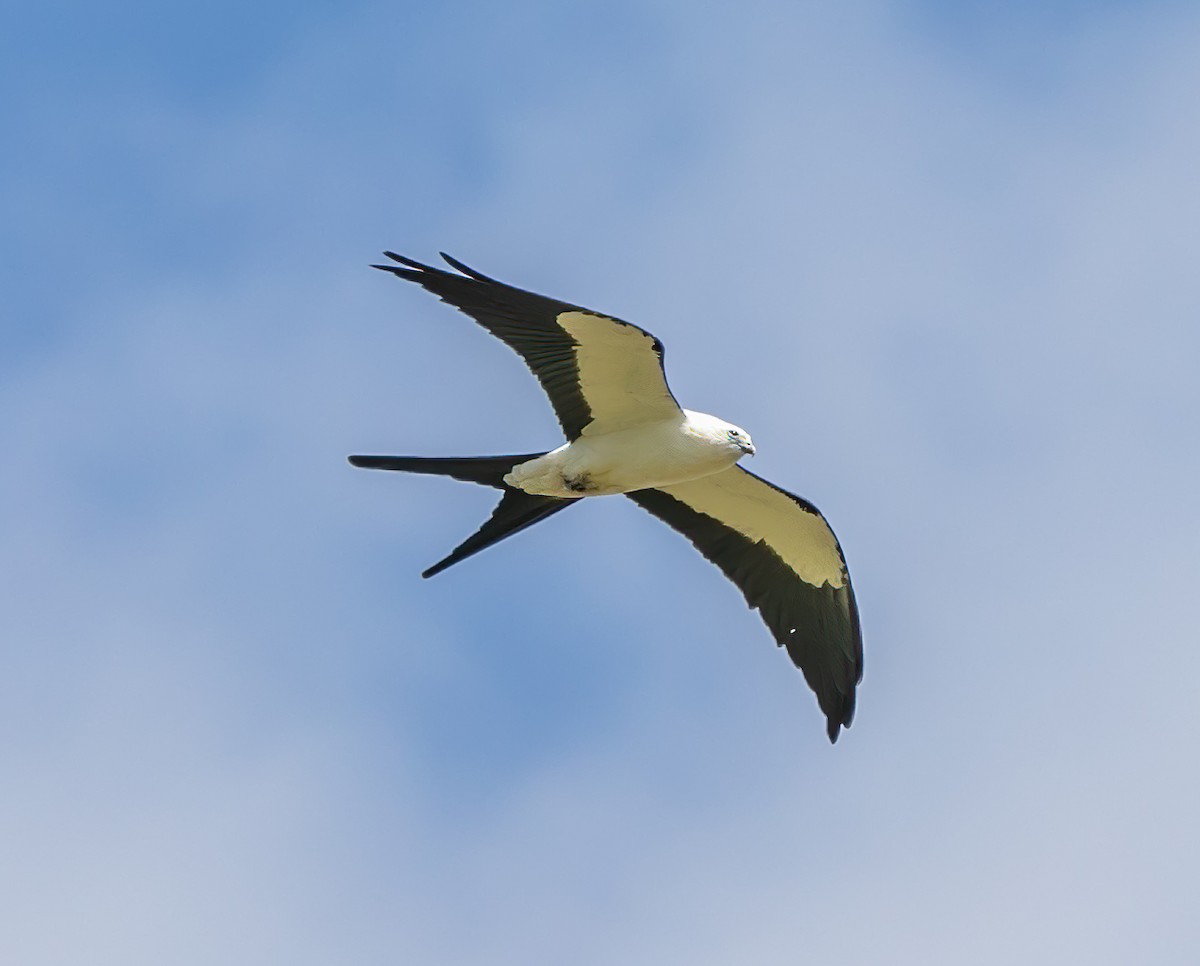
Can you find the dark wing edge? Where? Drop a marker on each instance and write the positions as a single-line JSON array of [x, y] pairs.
[[818, 626], [524, 321]]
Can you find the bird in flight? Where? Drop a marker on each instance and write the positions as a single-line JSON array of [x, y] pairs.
[[627, 434]]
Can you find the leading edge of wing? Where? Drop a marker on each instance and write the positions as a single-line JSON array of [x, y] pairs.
[[595, 368], [782, 555]]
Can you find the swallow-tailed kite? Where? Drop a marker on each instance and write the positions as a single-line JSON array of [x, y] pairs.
[[627, 434]]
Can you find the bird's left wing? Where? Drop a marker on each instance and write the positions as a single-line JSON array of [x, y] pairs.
[[600, 373], [784, 558]]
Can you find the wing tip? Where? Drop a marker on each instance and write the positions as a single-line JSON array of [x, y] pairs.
[[408, 268], [465, 269], [416, 271], [839, 718], [834, 727], [404, 260]]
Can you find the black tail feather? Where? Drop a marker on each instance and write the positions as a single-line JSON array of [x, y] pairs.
[[516, 511], [488, 470]]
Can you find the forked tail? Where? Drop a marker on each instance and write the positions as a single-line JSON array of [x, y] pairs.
[[516, 511]]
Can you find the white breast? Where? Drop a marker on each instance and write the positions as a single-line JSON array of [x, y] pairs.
[[647, 455]]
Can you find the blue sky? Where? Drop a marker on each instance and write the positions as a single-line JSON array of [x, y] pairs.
[[939, 260]]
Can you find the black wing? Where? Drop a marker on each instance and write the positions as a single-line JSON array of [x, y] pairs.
[[784, 558], [599, 372]]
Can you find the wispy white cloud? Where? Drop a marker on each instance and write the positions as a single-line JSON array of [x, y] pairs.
[[240, 725]]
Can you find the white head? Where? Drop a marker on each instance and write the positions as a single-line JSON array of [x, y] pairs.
[[740, 438], [722, 433]]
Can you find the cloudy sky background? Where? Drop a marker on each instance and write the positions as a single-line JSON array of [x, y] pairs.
[[941, 263]]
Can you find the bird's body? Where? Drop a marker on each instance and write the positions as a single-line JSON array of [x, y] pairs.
[[677, 449], [627, 434]]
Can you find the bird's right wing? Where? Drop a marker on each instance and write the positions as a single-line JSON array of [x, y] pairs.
[[787, 563], [600, 373]]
